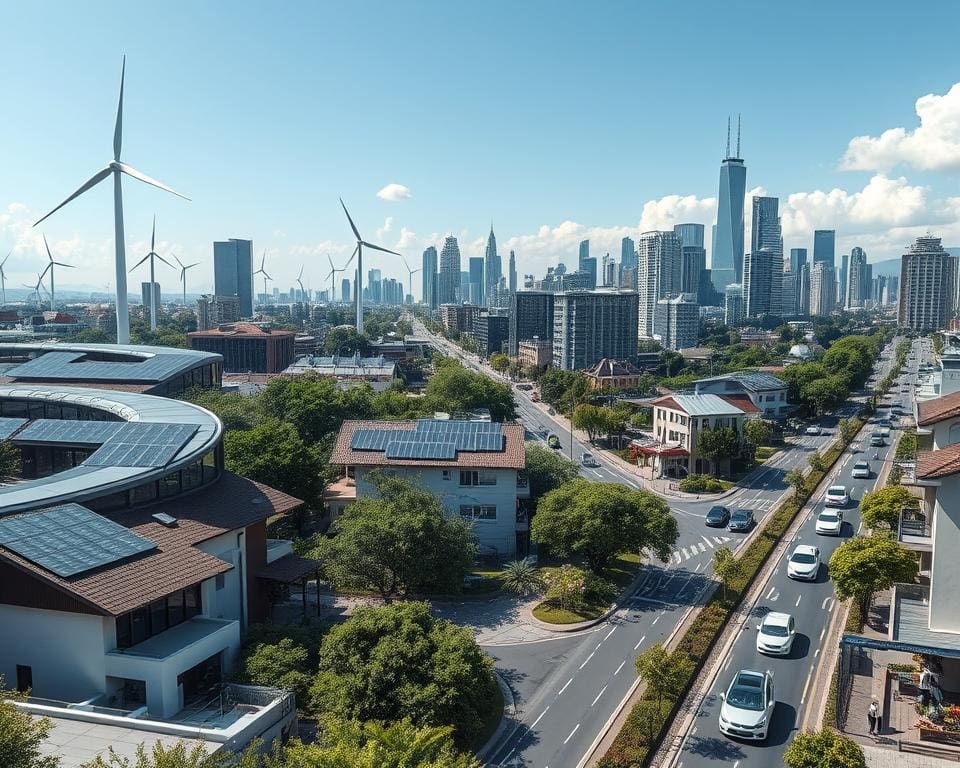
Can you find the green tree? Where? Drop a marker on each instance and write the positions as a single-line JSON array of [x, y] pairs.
[[398, 542], [21, 736], [881, 508], [816, 462], [400, 661], [716, 444], [546, 469], [345, 341], [796, 480], [591, 419], [799, 375], [823, 394], [756, 432], [499, 362], [236, 411], [863, 565], [283, 664], [314, 404], [602, 520], [726, 567], [10, 457], [521, 577], [455, 389], [824, 749], [182, 755], [665, 674], [848, 429], [566, 586]]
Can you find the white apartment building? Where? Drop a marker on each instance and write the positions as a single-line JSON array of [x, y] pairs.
[[659, 260], [823, 289], [677, 321], [928, 286]]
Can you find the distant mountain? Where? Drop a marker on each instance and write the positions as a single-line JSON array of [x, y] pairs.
[[892, 266]]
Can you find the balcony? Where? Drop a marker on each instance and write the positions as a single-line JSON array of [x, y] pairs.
[[913, 530], [523, 488]]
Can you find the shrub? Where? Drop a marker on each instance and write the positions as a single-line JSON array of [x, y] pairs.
[[700, 484]]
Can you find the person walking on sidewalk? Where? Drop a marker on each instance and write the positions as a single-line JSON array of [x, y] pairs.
[[873, 716]]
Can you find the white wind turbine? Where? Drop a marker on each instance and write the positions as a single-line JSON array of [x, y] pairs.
[[266, 277], [49, 268], [152, 255], [36, 289], [358, 251], [116, 168], [303, 291], [3, 277], [410, 274], [183, 276], [333, 275]]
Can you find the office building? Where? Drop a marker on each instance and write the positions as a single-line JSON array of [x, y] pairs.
[[788, 296], [491, 333], [677, 321], [628, 253], [823, 289], [842, 284], [583, 254], [628, 278], [860, 280], [233, 272], [448, 281], [531, 316], [727, 254], [733, 309], [513, 273], [693, 257], [246, 348], [477, 289], [765, 225], [610, 276], [429, 269], [492, 269], [150, 298], [591, 325], [374, 288], [345, 290], [762, 283], [928, 286], [689, 234], [824, 245], [216, 310], [803, 290], [589, 269], [798, 257], [658, 275]]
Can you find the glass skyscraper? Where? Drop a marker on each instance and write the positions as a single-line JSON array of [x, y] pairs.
[[429, 265], [477, 295], [824, 245], [448, 283], [492, 267], [727, 259], [628, 253], [233, 272]]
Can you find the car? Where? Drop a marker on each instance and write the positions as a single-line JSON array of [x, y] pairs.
[[884, 423], [829, 522], [554, 442], [837, 496], [861, 469], [588, 460], [876, 440], [804, 563], [813, 429], [741, 520], [718, 517], [747, 705], [775, 634]]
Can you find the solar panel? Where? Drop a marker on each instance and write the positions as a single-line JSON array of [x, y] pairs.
[[452, 435], [141, 444], [69, 539], [421, 450], [68, 432], [9, 425], [71, 365]]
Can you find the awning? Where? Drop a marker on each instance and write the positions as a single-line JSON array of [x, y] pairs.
[[661, 450], [289, 569]]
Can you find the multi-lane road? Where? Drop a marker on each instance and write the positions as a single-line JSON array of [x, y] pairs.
[[567, 688]]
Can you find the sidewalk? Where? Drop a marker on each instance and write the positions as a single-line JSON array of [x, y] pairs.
[[877, 757]]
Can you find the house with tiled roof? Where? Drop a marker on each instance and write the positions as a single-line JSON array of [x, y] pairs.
[[938, 421], [613, 374], [766, 391], [474, 467]]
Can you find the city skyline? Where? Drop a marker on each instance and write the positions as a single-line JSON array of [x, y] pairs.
[[876, 179]]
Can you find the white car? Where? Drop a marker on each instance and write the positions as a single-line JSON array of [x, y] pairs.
[[804, 563], [813, 429], [747, 705], [829, 522], [775, 634], [837, 496], [861, 469], [588, 460]]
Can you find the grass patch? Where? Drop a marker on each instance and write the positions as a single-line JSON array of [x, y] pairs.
[[483, 583], [764, 452], [830, 711], [620, 572], [623, 453]]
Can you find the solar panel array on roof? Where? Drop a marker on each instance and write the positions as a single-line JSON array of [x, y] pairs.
[[68, 432], [68, 540], [142, 444], [444, 439], [71, 366], [9, 425], [421, 450]]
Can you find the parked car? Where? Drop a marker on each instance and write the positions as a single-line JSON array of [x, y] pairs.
[[829, 522], [718, 517], [813, 429], [804, 563], [554, 442], [741, 520], [861, 469], [837, 496], [588, 460], [747, 705], [775, 634]]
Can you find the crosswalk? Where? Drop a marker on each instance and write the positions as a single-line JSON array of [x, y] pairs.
[[694, 550]]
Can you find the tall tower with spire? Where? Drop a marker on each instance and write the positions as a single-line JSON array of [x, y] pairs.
[[727, 252], [492, 268], [513, 272]]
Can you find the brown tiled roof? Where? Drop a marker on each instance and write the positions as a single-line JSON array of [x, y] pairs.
[[669, 403], [511, 457], [941, 463], [743, 402], [242, 329], [288, 569], [607, 368], [934, 411], [232, 502]]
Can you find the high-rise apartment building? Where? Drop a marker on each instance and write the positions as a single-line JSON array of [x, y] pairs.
[[824, 246], [429, 276], [693, 257], [478, 294], [823, 288], [492, 268], [658, 275], [765, 226], [726, 264], [762, 283], [233, 272], [513, 273], [448, 280], [628, 253], [589, 268], [217, 310], [591, 325], [928, 286], [678, 321], [150, 297], [531, 316], [733, 313], [860, 279]]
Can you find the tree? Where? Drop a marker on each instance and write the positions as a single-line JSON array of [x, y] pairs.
[[283, 664], [863, 565], [521, 577], [848, 429], [178, 756], [499, 362], [236, 411], [400, 661], [589, 418], [455, 389], [881, 508], [344, 341], [796, 480], [824, 394], [726, 567], [665, 674], [400, 744], [716, 444], [823, 749], [398, 542], [566, 586], [757, 432], [10, 458], [22, 737], [601, 520], [546, 469], [816, 462]]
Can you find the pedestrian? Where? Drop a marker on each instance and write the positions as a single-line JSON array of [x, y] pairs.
[[925, 680], [873, 716]]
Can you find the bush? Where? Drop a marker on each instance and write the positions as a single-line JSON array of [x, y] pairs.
[[700, 484]]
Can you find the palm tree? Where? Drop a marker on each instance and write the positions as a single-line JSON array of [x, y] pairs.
[[521, 576]]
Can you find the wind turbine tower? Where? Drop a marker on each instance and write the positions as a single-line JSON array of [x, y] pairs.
[[266, 277], [358, 287], [3, 277], [183, 276], [152, 255], [49, 268]]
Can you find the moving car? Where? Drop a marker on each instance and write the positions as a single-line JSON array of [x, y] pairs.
[[861, 469], [554, 442], [775, 634], [876, 439], [813, 429], [741, 520], [588, 460], [829, 522], [804, 563], [837, 496], [718, 517], [747, 705]]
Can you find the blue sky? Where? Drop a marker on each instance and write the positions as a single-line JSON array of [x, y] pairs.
[[555, 120]]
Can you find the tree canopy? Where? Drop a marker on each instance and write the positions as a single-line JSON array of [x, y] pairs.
[[454, 389], [546, 469], [345, 341], [716, 444], [664, 673], [823, 749], [21, 736], [881, 508], [866, 564]]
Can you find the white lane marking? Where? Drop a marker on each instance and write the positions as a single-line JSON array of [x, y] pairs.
[[702, 548], [539, 719], [709, 543], [610, 633], [770, 593], [575, 729], [699, 566], [816, 653], [679, 559], [686, 555], [806, 685], [598, 646], [587, 661], [798, 599], [598, 696], [640, 641], [654, 621], [565, 686], [825, 603], [822, 633], [620, 667], [727, 665]]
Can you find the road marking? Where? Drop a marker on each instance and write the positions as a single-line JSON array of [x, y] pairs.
[[587, 661], [699, 566], [825, 603], [575, 729], [816, 653], [640, 641], [539, 719], [806, 685], [565, 685], [709, 543], [598, 646], [727, 665], [610, 633], [702, 548], [770, 593], [686, 554], [679, 559], [798, 600], [822, 633], [654, 622], [598, 696], [620, 667]]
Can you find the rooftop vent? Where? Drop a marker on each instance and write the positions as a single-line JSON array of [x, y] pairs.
[[164, 519]]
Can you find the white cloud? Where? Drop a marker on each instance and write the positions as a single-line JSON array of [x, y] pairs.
[[395, 193], [384, 230], [934, 145]]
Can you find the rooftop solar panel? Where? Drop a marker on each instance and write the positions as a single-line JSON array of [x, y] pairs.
[[68, 432], [9, 425], [452, 435], [71, 366], [421, 450], [70, 539], [140, 444]]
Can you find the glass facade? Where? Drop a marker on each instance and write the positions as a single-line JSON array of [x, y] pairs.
[[143, 623]]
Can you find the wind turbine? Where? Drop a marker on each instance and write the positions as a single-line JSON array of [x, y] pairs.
[[183, 276], [3, 277], [116, 168], [410, 274], [358, 288], [49, 268], [36, 289], [303, 291], [153, 254], [266, 277], [333, 275]]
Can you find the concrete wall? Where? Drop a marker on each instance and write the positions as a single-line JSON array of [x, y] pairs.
[[945, 568], [228, 602]]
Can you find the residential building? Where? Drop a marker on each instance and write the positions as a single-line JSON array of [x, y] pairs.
[[727, 253], [428, 266], [824, 246], [733, 305], [448, 279], [474, 468], [928, 286], [535, 352], [512, 284], [762, 283], [767, 392], [860, 281], [613, 374], [765, 226], [823, 289], [477, 289], [246, 348], [658, 275], [233, 272], [216, 310], [591, 325], [530, 317], [453, 317], [938, 421], [491, 269], [677, 321], [491, 332]]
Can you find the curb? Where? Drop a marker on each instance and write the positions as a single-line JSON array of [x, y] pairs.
[[509, 710], [639, 580]]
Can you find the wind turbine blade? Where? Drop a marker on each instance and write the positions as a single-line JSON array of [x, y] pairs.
[[330, 274], [352, 225], [140, 262], [164, 261], [131, 171], [196, 263], [267, 276], [118, 128], [263, 259], [378, 248], [47, 245], [404, 260], [328, 259], [8, 256], [153, 234], [46, 269], [301, 273], [177, 259], [61, 264], [91, 182]]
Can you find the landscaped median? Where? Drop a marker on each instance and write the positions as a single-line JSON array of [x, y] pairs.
[[575, 600], [639, 737]]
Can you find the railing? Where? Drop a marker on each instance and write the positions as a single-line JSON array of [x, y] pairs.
[[913, 522]]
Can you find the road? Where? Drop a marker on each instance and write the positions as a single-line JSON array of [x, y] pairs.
[[566, 689]]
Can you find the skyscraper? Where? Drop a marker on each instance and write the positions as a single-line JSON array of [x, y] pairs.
[[727, 257], [693, 256], [733, 304], [628, 253], [233, 272], [678, 321], [531, 314], [928, 286], [860, 279], [591, 325], [844, 263], [658, 274], [477, 293], [798, 257], [803, 289], [765, 229], [823, 289], [762, 283], [589, 268], [513, 272], [584, 254], [492, 268], [689, 234], [448, 281], [429, 268], [148, 296], [824, 244], [374, 285], [345, 290], [788, 297]]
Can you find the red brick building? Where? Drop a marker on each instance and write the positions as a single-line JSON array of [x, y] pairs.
[[246, 347]]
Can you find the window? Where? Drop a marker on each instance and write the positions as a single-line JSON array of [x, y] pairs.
[[477, 477], [221, 581], [478, 511], [140, 624], [446, 474]]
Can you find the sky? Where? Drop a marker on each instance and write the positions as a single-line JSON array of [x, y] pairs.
[[555, 121]]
